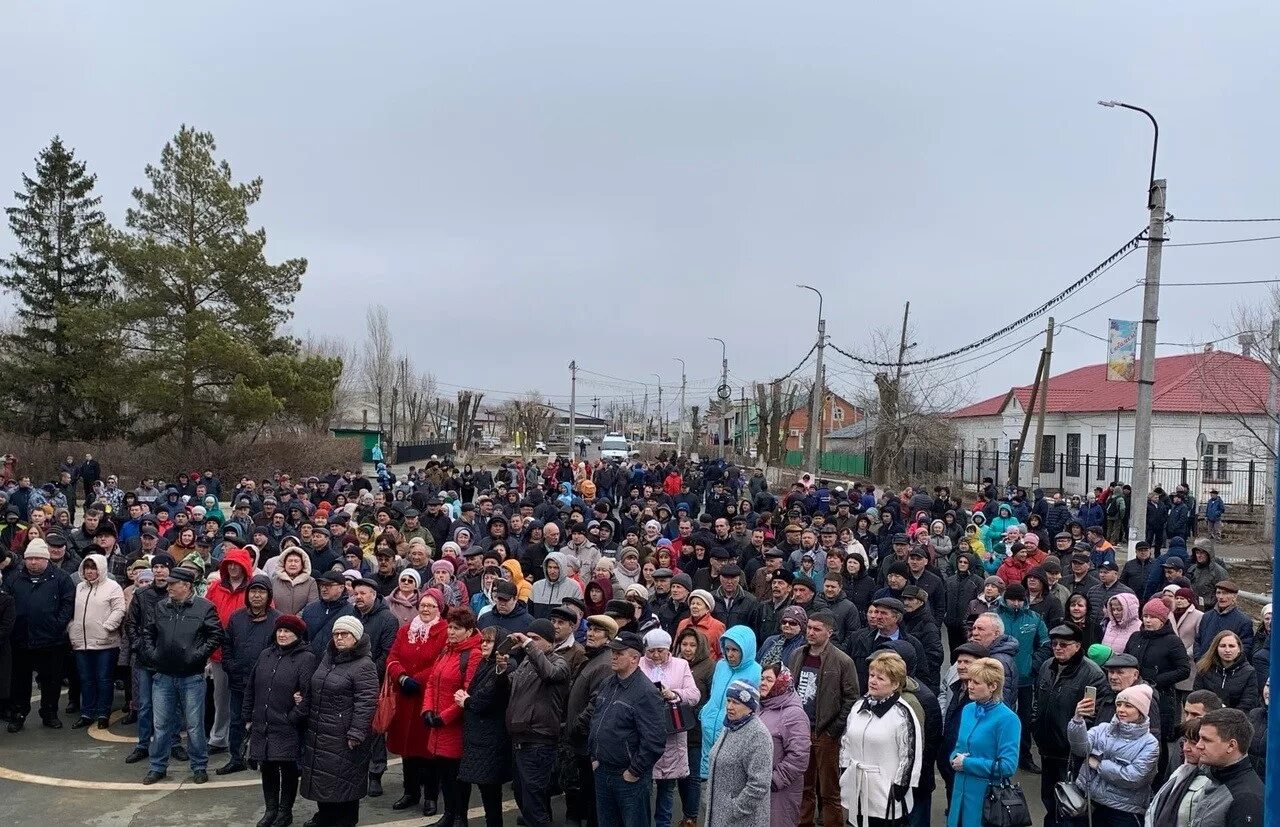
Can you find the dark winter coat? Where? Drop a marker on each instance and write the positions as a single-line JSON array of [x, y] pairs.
[[860, 647], [848, 618], [43, 604], [959, 590], [8, 617], [319, 617], [741, 612], [1237, 685], [140, 614], [859, 590], [182, 637], [268, 701], [585, 683], [1214, 622], [337, 708], [486, 747], [539, 690], [921, 625], [1136, 574], [1162, 663], [1060, 688], [245, 638]]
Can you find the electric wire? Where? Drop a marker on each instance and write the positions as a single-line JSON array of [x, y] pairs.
[[1222, 220], [1112, 260], [1221, 241]]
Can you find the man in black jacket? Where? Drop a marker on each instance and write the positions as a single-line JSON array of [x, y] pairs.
[[1235, 798], [535, 714], [884, 620], [142, 611], [627, 735], [734, 605], [44, 601], [250, 631], [177, 644]]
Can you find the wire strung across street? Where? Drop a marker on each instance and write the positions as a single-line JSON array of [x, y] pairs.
[[1111, 260]]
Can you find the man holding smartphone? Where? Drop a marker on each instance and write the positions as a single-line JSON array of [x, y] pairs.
[[1064, 681], [535, 713]]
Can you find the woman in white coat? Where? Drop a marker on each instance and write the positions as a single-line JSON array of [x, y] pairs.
[[675, 681], [95, 638], [880, 753]]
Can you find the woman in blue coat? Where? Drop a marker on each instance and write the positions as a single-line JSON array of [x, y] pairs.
[[738, 646], [987, 745]]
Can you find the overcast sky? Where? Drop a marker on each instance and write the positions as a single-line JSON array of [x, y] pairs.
[[528, 183]]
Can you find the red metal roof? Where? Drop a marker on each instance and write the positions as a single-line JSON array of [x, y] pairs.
[[1213, 382]]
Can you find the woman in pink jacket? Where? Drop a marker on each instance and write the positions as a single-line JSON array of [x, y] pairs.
[[783, 715], [675, 681], [1122, 621]]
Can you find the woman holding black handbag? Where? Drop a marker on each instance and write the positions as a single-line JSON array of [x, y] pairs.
[[675, 681], [986, 750]]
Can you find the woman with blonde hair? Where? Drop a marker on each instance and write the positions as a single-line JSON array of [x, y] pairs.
[[987, 745], [882, 749]]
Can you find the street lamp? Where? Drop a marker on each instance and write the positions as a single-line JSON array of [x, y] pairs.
[[658, 418], [724, 386], [680, 422], [813, 440], [1156, 192]]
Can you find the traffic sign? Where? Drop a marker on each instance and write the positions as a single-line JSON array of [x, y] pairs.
[[724, 392]]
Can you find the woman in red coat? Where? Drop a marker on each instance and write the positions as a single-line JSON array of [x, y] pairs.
[[440, 709], [416, 649]]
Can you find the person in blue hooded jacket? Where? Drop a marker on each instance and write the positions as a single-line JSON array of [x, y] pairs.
[[994, 534], [738, 647], [1155, 576]]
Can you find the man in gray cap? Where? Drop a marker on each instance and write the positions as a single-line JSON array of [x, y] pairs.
[[1122, 673], [178, 650]]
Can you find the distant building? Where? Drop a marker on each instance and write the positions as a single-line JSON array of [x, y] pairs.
[[837, 412], [1089, 421]]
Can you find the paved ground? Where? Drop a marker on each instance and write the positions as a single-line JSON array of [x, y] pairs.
[[79, 777]]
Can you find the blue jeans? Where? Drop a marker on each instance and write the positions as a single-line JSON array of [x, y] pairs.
[[691, 785], [663, 802], [621, 803], [96, 668], [144, 678], [177, 702]]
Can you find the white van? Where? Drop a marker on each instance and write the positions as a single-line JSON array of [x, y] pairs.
[[615, 447]]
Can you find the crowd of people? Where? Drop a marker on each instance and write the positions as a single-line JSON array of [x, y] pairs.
[[659, 643]]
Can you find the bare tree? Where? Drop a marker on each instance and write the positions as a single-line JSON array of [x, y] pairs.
[[528, 420], [468, 407], [417, 392], [1251, 326], [774, 416], [378, 363], [346, 394]]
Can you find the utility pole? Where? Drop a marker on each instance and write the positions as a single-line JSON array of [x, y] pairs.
[[1044, 399], [573, 408], [902, 345], [724, 385], [744, 423], [813, 443], [658, 413], [680, 423], [1273, 405], [1015, 457], [1141, 481], [391, 435]]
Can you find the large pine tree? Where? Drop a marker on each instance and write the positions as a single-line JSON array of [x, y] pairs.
[[58, 357], [202, 306]]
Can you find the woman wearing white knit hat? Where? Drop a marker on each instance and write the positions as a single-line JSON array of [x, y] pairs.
[[675, 681], [338, 710]]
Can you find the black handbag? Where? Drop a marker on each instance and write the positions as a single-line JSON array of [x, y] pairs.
[[1005, 805], [679, 717]]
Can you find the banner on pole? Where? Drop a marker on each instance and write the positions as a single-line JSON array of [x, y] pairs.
[[1122, 348]]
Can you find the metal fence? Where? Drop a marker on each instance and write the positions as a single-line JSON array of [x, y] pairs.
[[1238, 482], [415, 451]]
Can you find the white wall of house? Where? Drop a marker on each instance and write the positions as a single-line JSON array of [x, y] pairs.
[[1173, 437]]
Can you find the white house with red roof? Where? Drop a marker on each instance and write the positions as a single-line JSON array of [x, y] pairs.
[[1087, 418]]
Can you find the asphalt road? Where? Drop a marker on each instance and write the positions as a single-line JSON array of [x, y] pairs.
[[79, 777]]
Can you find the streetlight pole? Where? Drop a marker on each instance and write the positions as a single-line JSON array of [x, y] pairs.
[[724, 385], [1156, 192], [658, 418], [680, 423], [813, 447]]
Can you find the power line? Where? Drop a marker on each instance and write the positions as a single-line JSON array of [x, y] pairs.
[[1223, 220], [1115, 258], [1223, 241], [1213, 283]]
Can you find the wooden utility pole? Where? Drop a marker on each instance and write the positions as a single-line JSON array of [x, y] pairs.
[[1044, 400], [1015, 456]]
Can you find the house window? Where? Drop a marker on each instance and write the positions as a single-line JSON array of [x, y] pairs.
[[1102, 456], [1048, 452], [838, 414], [982, 445], [1073, 455], [1216, 459], [794, 432]]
